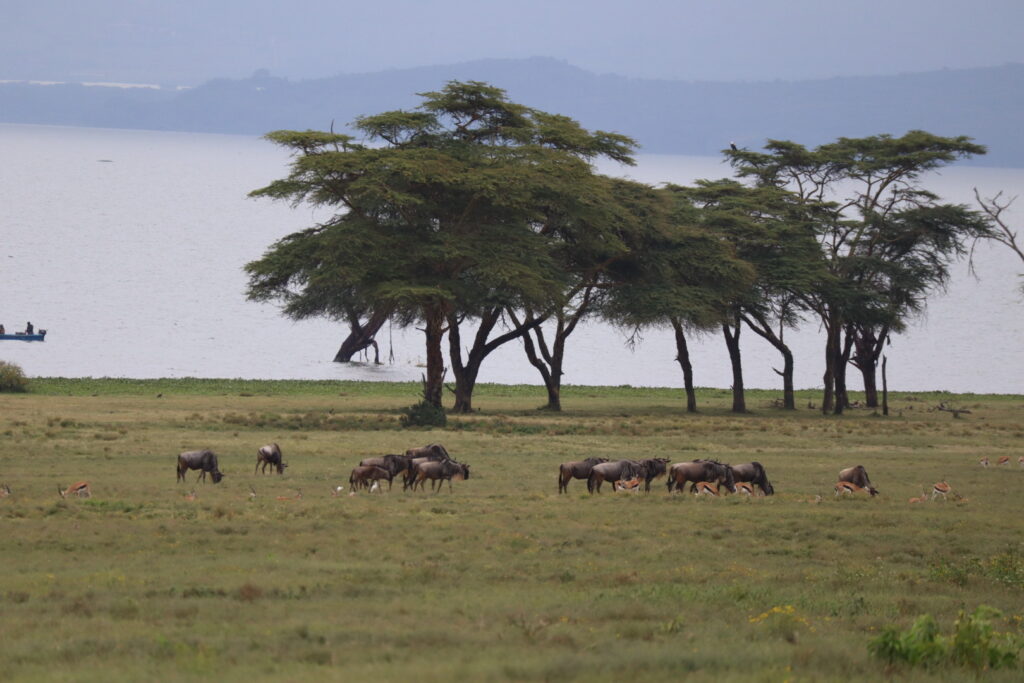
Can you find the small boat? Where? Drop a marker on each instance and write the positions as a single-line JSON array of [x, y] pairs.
[[21, 336]]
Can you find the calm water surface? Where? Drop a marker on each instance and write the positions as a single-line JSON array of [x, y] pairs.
[[128, 247]]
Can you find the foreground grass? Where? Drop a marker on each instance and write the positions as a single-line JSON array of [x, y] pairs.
[[502, 579]]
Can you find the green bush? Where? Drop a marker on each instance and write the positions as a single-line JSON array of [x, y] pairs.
[[12, 378], [423, 414], [973, 644]]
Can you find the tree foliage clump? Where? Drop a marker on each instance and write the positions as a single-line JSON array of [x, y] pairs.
[[12, 378]]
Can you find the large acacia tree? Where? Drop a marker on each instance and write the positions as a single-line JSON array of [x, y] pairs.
[[886, 241], [444, 213]]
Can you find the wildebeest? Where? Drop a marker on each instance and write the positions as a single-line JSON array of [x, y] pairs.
[[434, 451], [438, 472], [362, 476], [395, 464], [578, 469], [414, 463], [700, 470], [754, 473], [859, 476], [613, 471], [270, 455], [653, 468], [204, 460]]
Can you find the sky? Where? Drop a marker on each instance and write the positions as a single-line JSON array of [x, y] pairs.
[[187, 42]]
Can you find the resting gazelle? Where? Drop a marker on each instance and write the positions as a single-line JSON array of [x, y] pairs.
[[5, 491], [844, 487], [707, 488], [80, 489]]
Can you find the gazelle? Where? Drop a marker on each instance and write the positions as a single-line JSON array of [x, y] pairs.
[[5, 491], [80, 489], [1005, 460], [984, 461], [336, 490], [941, 489], [1020, 461], [627, 484], [191, 495], [706, 488], [297, 496], [844, 487], [920, 499], [746, 488], [252, 493]]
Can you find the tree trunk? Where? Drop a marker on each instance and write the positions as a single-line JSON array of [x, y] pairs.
[[361, 336], [759, 324], [466, 372], [732, 341], [831, 355], [683, 356], [548, 363], [841, 364], [885, 389], [433, 383], [867, 349]]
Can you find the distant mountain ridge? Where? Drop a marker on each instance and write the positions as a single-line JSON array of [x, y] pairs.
[[670, 117]]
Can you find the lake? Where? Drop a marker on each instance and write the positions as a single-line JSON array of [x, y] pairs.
[[128, 247]]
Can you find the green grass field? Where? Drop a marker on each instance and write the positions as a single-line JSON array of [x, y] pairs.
[[502, 579]]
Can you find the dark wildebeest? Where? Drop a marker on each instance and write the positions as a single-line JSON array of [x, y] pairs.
[[859, 476], [270, 455], [578, 469], [700, 470], [438, 472], [395, 464], [755, 474], [654, 468], [434, 451], [362, 476], [614, 471], [204, 460]]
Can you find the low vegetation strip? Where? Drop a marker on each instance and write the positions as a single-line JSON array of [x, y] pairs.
[[269, 576]]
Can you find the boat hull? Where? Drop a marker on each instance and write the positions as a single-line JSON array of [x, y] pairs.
[[23, 337]]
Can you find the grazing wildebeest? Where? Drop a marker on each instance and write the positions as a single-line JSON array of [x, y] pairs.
[[700, 470], [755, 474], [578, 469], [614, 471], [654, 467], [859, 476], [270, 455], [362, 476], [415, 462], [434, 451], [395, 464], [438, 472], [204, 460]]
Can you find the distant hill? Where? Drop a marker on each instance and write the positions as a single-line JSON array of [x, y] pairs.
[[672, 117]]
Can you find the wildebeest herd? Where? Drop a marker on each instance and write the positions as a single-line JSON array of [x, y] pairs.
[[433, 462], [705, 476], [415, 466]]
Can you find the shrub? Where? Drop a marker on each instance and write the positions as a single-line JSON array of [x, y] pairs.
[[12, 378], [423, 414], [973, 644]]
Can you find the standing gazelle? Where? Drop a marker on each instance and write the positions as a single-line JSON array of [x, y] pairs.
[[941, 489], [80, 489]]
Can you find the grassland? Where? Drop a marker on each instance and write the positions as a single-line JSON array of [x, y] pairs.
[[503, 579]]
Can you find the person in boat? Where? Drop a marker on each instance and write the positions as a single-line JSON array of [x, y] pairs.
[[28, 328]]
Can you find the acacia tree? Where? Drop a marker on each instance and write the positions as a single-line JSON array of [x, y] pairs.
[[677, 273], [886, 241], [441, 215], [592, 240]]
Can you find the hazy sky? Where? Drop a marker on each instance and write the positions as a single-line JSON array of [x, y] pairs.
[[191, 41]]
